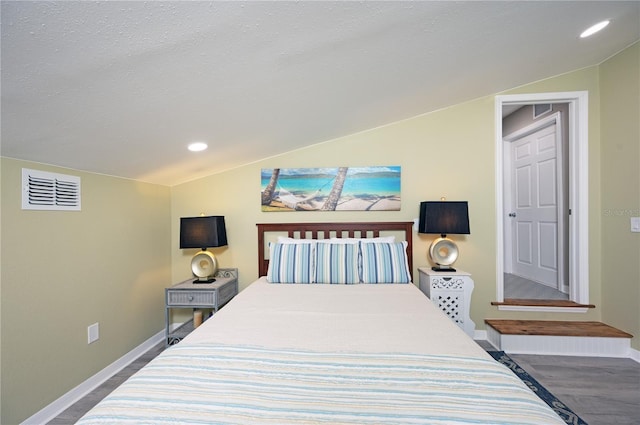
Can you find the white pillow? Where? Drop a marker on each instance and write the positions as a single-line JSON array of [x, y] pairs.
[[285, 240], [381, 239]]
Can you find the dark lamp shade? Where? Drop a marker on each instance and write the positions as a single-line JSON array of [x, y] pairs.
[[444, 217], [202, 232]]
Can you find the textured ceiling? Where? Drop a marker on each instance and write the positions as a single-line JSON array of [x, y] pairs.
[[121, 88]]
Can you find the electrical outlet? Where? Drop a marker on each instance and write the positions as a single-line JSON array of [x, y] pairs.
[[635, 224], [93, 333]]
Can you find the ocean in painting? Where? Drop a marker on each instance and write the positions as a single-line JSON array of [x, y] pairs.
[[369, 185]]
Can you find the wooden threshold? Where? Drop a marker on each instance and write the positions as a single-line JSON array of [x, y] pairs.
[[541, 303], [556, 328]]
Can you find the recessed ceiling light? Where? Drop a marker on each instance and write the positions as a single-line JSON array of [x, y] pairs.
[[594, 29], [197, 146]]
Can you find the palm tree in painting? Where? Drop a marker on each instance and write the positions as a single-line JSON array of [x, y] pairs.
[[267, 194], [336, 191]]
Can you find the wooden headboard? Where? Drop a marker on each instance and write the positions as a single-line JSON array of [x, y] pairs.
[[330, 230]]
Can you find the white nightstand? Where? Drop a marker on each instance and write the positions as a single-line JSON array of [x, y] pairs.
[[451, 292]]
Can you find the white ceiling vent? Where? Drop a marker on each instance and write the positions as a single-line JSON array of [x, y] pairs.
[[50, 191]]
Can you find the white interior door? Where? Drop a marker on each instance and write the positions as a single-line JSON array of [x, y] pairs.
[[534, 210]]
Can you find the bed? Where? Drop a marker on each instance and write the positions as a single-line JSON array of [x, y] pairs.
[[314, 344]]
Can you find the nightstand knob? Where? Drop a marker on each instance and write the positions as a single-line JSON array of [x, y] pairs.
[[190, 297]]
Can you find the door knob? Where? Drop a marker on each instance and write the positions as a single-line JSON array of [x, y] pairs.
[[512, 214]]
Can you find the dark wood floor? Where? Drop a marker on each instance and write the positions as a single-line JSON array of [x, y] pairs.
[[602, 391]]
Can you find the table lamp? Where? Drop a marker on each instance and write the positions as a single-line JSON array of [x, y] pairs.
[[444, 218], [203, 233]]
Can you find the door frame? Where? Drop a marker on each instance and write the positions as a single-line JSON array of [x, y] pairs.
[[553, 119], [578, 252]]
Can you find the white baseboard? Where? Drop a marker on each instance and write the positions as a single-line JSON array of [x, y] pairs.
[[480, 334], [64, 402], [634, 354], [566, 345]]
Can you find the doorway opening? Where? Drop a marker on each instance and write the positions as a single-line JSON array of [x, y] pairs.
[[535, 195], [542, 195]]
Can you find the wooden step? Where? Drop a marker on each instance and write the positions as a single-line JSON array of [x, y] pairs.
[[558, 337], [556, 328], [541, 303]]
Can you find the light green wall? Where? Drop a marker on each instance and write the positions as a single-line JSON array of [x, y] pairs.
[[620, 117], [433, 151], [63, 271], [445, 153]]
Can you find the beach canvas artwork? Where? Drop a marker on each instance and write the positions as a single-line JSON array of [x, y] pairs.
[[331, 189]]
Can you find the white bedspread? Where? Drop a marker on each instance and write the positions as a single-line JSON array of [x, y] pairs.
[[360, 318], [339, 354]]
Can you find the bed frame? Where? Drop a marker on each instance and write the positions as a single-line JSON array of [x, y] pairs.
[[328, 230]]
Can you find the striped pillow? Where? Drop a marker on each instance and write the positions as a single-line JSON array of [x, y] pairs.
[[290, 263], [385, 263], [337, 263]]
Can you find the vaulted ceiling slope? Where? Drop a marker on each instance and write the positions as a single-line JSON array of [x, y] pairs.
[[121, 88]]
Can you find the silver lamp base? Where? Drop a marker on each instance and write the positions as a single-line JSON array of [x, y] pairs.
[[444, 252], [204, 266]]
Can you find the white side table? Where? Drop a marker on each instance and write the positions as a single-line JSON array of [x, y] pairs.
[[451, 293]]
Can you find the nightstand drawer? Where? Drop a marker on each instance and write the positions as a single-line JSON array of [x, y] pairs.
[[181, 297], [449, 283]]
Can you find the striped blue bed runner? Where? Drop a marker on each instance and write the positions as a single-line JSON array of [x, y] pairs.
[[214, 384]]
